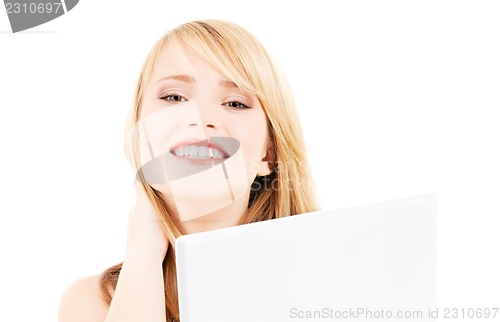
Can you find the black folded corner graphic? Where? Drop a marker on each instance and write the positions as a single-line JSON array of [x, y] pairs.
[[28, 14]]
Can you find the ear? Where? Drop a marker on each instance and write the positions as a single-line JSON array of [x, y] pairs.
[[264, 168], [266, 162]]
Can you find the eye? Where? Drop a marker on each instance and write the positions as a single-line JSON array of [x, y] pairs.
[[236, 105], [173, 97]]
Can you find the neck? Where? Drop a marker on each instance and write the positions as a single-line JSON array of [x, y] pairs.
[[225, 217]]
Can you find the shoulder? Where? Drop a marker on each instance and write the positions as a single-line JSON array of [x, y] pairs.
[[82, 301]]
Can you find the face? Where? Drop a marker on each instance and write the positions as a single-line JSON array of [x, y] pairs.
[[202, 139]]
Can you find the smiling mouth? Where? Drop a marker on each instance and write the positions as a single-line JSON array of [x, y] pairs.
[[201, 150], [189, 157]]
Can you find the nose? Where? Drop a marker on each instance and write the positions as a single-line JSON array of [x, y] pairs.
[[207, 125], [204, 117]]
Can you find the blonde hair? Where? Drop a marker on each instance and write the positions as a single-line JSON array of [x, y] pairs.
[[238, 55]]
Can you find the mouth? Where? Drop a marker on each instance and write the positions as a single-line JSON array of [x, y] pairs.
[[200, 150]]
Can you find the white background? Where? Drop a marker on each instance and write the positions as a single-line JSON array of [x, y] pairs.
[[396, 98]]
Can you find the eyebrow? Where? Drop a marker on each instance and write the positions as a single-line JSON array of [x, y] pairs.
[[191, 79], [182, 78], [228, 83]]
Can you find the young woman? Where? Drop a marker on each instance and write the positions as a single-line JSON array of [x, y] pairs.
[[214, 137]]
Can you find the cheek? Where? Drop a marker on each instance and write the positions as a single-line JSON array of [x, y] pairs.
[[253, 137], [154, 129]]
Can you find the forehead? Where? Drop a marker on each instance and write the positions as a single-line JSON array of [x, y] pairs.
[[173, 60]]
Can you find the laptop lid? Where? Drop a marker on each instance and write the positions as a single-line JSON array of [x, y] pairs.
[[349, 264]]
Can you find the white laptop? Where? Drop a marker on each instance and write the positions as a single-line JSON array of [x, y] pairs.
[[370, 263]]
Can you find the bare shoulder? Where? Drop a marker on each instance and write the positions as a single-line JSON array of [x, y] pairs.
[[82, 301]]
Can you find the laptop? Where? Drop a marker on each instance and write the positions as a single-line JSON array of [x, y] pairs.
[[374, 262]]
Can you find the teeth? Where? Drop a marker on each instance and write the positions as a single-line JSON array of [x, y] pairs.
[[198, 152], [203, 153], [217, 154], [192, 151]]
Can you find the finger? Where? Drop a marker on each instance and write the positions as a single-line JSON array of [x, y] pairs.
[[136, 184], [139, 189], [140, 194]]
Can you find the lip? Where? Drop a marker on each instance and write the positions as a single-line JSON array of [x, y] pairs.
[[197, 142]]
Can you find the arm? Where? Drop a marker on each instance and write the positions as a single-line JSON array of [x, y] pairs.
[[139, 294]]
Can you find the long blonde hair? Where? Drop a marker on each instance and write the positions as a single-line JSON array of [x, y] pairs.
[[238, 55]]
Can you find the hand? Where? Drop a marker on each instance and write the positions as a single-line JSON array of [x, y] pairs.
[[145, 234]]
